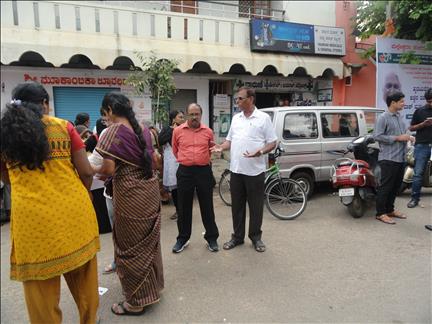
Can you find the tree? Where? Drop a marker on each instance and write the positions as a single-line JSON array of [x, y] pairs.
[[412, 19], [156, 76]]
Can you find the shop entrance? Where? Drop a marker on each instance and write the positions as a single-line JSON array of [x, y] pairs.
[[182, 98], [268, 99]]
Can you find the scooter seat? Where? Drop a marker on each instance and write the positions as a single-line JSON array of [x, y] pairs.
[[360, 163], [344, 163]]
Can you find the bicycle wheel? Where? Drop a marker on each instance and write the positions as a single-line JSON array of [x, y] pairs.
[[224, 187], [285, 198]]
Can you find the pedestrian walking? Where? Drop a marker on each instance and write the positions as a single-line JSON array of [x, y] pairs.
[[191, 146], [136, 200], [421, 123], [170, 164], [54, 229], [250, 137], [391, 134]]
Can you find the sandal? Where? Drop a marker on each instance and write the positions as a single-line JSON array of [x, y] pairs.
[[259, 246], [125, 311], [397, 214], [386, 219], [110, 268], [231, 244]]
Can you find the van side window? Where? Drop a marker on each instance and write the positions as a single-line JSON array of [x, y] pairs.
[[339, 125], [370, 119], [300, 126]]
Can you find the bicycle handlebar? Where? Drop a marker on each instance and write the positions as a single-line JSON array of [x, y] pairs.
[[278, 151]]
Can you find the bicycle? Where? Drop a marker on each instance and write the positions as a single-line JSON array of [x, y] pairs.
[[284, 197]]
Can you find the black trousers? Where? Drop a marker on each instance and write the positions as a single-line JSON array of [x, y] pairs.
[[391, 179], [189, 179], [248, 189], [174, 198], [99, 204]]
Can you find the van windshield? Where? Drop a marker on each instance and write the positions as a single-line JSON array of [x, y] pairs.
[[271, 114]]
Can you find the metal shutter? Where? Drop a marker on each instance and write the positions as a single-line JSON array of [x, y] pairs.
[[69, 101]]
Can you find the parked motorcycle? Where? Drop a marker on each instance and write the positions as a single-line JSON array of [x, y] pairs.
[[356, 179], [409, 172]]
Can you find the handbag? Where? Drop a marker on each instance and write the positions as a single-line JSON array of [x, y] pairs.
[[157, 160]]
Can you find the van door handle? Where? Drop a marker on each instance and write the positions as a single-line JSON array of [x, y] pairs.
[[337, 152]]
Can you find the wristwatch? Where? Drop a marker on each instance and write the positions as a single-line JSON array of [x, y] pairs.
[[261, 152]]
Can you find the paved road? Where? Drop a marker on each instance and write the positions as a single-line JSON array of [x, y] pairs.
[[322, 267]]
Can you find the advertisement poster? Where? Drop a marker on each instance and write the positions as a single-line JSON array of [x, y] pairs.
[[225, 121], [412, 79], [281, 36]]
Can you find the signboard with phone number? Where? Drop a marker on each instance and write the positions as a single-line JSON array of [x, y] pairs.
[[279, 36]]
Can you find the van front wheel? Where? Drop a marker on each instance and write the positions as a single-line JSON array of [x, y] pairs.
[[306, 181]]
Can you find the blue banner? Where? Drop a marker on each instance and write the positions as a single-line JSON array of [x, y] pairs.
[[269, 35], [279, 36]]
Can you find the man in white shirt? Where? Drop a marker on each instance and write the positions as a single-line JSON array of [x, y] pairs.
[[250, 137]]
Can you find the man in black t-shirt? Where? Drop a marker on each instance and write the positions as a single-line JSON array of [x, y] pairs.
[[422, 124]]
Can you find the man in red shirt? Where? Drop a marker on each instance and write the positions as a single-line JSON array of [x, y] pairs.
[[191, 146]]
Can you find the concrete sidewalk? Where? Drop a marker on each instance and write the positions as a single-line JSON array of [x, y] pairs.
[[322, 267]]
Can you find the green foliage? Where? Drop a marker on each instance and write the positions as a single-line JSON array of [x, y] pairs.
[[157, 77], [370, 52], [409, 58], [412, 20], [370, 18]]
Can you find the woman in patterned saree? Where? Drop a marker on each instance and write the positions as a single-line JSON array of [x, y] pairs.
[[136, 200], [54, 229]]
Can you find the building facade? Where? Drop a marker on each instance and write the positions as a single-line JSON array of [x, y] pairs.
[[358, 87], [80, 50]]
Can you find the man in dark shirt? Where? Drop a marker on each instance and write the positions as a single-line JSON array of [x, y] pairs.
[[422, 124]]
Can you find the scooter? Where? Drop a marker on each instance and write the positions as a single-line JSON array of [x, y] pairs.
[[409, 172], [356, 179]]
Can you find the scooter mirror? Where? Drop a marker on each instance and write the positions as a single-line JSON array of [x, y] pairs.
[[359, 140]]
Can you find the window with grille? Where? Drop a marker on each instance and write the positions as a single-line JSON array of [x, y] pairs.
[[254, 8], [190, 6]]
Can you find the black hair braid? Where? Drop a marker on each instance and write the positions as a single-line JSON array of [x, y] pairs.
[[145, 160], [23, 138], [121, 106]]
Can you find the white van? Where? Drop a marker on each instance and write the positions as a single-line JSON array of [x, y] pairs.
[[313, 137]]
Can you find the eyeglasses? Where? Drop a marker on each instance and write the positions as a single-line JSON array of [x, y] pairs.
[[240, 98], [193, 115]]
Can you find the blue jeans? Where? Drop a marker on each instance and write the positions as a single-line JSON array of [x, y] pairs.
[[422, 153]]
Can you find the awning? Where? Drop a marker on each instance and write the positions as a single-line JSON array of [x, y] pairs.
[[102, 51]]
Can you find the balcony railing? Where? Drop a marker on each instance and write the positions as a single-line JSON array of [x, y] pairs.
[[214, 22], [227, 9]]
